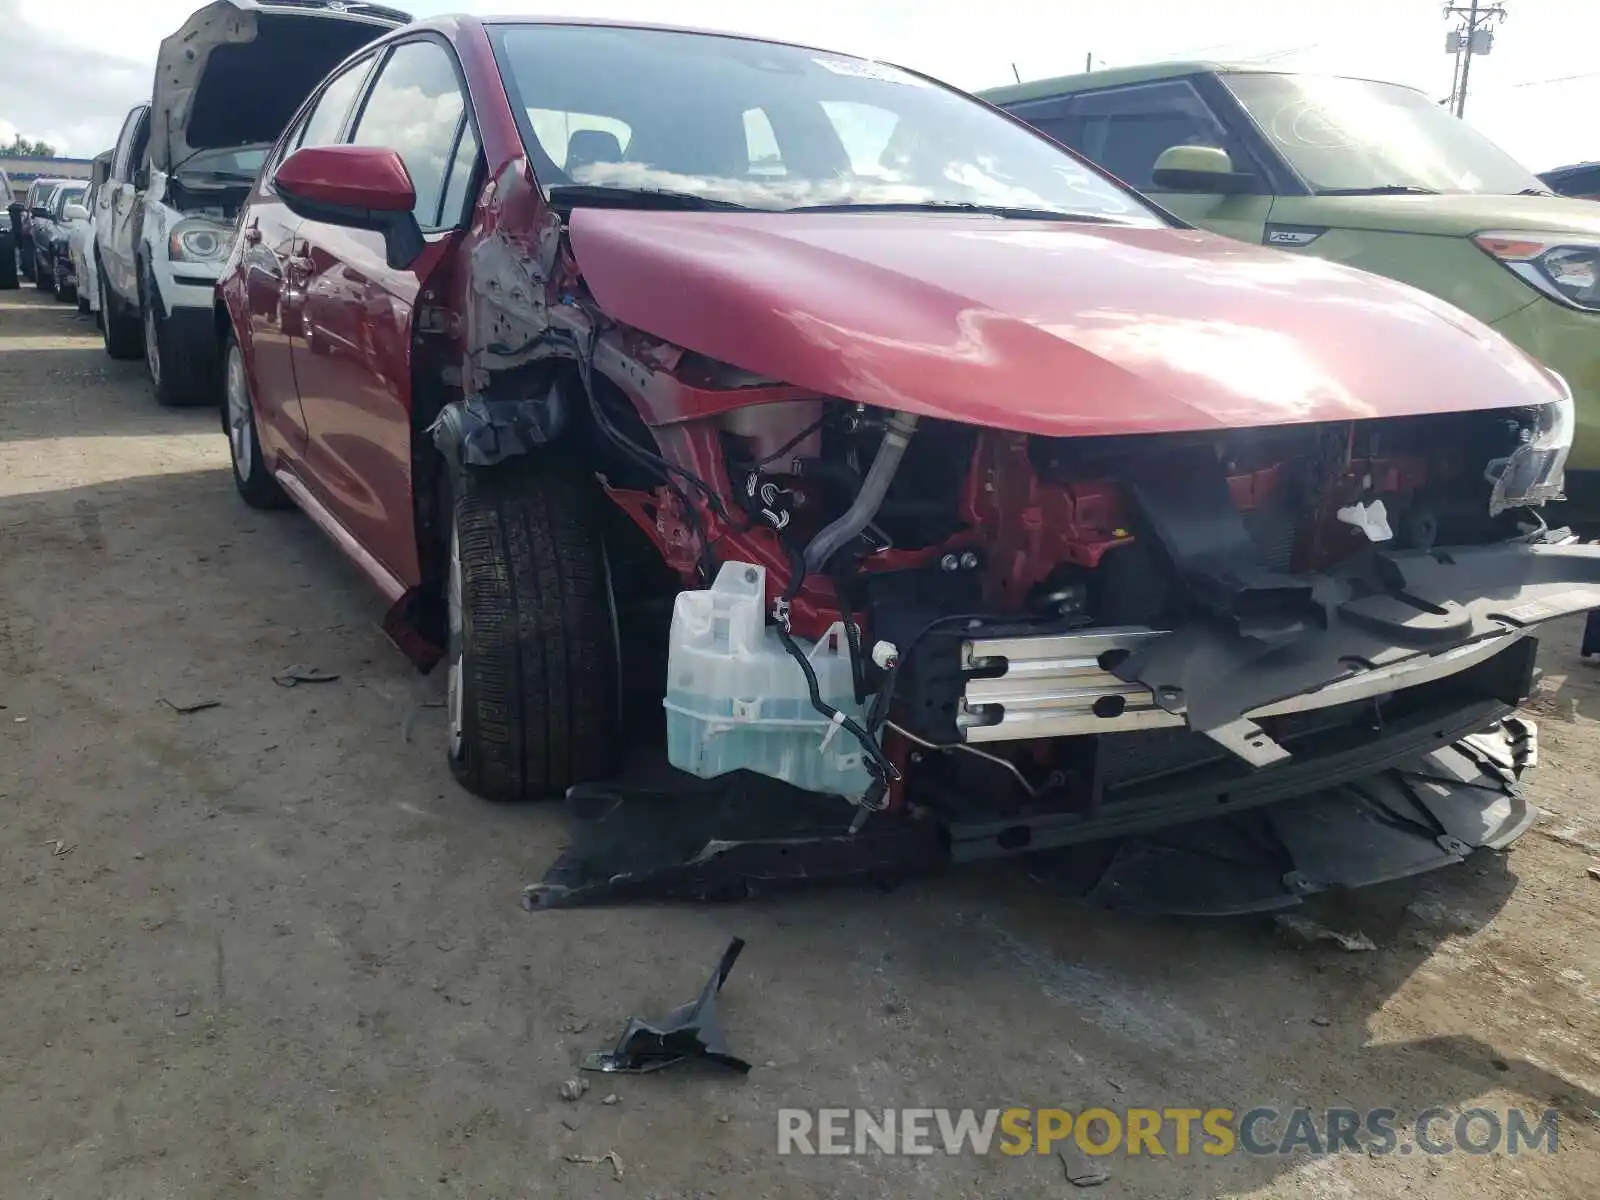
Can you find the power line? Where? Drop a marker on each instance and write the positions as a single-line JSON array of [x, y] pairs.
[[1557, 79], [1275, 55]]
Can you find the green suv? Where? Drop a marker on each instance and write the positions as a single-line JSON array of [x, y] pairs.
[[1375, 175]]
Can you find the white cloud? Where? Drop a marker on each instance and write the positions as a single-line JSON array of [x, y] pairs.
[[72, 70]]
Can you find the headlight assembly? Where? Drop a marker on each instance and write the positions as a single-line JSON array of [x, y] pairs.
[[1564, 266], [1536, 470], [198, 242]]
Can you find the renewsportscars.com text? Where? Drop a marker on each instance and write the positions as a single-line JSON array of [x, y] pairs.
[[1176, 1132]]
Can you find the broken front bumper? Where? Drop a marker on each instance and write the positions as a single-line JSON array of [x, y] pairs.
[[1395, 622], [1419, 798]]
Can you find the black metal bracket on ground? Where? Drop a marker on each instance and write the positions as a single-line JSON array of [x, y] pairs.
[[689, 1031]]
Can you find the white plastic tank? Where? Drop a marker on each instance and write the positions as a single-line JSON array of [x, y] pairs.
[[737, 700]]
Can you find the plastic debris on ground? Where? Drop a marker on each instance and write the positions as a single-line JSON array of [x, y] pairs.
[[691, 1031]]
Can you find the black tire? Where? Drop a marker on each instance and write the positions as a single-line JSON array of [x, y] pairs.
[[64, 291], [122, 334], [44, 276], [178, 379], [83, 302], [250, 475], [533, 663]]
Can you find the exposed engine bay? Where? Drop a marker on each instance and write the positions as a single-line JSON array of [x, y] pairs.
[[949, 587], [1037, 642]]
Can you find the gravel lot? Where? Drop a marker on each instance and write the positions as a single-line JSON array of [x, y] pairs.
[[270, 950]]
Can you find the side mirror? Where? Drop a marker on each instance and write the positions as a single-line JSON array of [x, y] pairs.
[[40, 212], [358, 187], [1200, 169], [76, 212]]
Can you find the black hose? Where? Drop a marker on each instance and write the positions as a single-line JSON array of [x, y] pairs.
[[882, 769], [879, 712], [791, 443], [653, 463], [639, 453], [852, 637]]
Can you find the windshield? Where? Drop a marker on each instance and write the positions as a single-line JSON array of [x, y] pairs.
[[765, 126], [239, 164], [1355, 135]]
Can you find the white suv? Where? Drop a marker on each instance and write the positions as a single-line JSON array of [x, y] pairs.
[[226, 84]]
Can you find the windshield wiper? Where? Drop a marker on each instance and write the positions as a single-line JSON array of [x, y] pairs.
[[1384, 189], [1536, 191], [595, 195], [1007, 212]]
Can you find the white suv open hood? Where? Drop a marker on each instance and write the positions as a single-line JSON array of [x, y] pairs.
[[237, 70]]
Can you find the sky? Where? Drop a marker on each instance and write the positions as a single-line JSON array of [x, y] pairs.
[[70, 69]]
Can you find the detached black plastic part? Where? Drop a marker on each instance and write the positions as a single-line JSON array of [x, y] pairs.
[[690, 1031], [498, 423]]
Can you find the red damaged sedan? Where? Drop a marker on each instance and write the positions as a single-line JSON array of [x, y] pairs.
[[949, 499]]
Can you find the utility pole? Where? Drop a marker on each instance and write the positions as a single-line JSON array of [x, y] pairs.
[[1472, 36]]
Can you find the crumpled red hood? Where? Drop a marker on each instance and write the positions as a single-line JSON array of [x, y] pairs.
[[1045, 327]]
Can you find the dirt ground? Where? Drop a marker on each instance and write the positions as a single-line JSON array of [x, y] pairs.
[[270, 950]]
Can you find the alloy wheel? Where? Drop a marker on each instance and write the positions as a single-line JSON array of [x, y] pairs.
[[240, 442]]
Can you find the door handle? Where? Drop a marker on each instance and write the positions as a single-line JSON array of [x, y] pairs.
[[252, 236]]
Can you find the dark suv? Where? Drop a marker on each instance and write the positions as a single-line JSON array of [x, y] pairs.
[[10, 232]]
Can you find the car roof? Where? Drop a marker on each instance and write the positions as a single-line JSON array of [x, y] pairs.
[[1039, 89], [1570, 169]]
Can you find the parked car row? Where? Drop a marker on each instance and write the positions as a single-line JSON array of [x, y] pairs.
[[164, 219], [889, 448]]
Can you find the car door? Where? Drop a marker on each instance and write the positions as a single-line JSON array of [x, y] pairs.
[[272, 275], [121, 230], [352, 351], [1126, 129]]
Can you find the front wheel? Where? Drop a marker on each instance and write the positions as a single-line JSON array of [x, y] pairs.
[[44, 275], [533, 672], [65, 292], [178, 378]]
